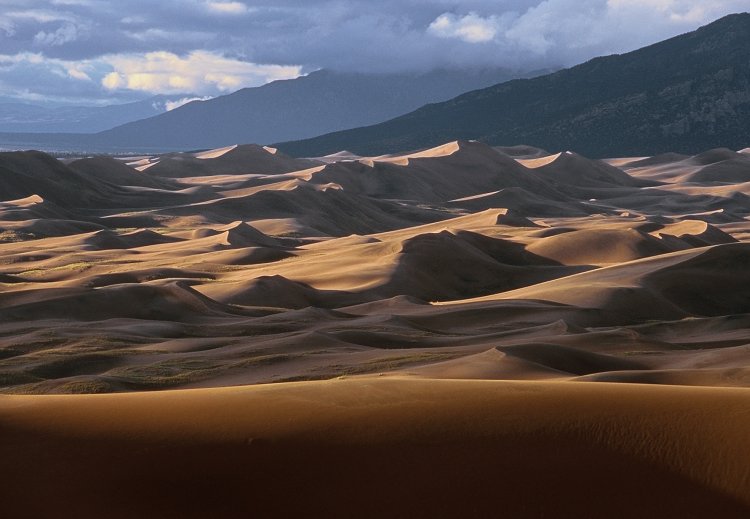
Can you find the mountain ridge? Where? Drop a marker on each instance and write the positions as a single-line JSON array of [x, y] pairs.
[[309, 105], [696, 96], [322, 101]]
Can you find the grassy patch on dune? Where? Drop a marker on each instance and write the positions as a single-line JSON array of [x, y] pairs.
[[68, 366], [397, 362], [79, 266], [103, 372], [85, 387], [16, 236], [43, 387], [21, 371], [221, 267], [169, 373], [263, 360], [37, 342], [394, 363], [8, 353], [372, 366], [178, 372], [53, 342], [8, 379]]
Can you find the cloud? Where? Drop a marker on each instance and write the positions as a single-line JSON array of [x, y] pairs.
[[176, 103], [470, 28], [7, 27], [199, 72], [35, 77], [74, 2], [39, 16], [78, 71], [64, 34], [227, 7], [566, 32], [210, 47]]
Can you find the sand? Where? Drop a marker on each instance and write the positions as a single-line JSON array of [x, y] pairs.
[[381, 446], [463, 331]]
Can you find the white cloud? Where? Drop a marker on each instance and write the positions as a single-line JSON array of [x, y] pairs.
[[65, 34], [62, 68], [681, 11], [78, 71], [7, 27], [540, 33], [470, 28], [227, 7], [36, 77], [138, 19], [34, 58], [40, 16], [200, 72], [171, 105], [85, 3], [155, 36], [571, 30]]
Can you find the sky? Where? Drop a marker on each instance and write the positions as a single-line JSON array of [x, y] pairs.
[[102, 52]]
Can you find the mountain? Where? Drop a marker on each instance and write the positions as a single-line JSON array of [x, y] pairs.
[[685, 94], [29, 118], [320, 102]]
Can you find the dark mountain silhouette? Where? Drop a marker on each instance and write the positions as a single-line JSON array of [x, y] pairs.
[[320, 102], [685, 94]]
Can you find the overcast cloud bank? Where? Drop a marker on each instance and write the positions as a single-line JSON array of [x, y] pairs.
[[105, 51]]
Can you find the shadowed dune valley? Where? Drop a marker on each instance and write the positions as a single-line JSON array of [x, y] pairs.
[[463, 330], [497, 275]]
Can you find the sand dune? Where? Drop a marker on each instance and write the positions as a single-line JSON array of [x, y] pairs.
[[734, 170], [523, 202], [714, 156], [656, 160], [576, 170], [264, 268], [165, 302], [599, 246], [656, 287], [414, 288], [31, 173], [277, 291], [522, 152], [695, 232], [718, 165], [243, 235], [430, 175], [332, 212], [215, 153], [235, 160], [434, 448], [116, 172]]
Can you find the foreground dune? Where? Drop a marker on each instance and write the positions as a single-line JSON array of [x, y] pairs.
[[380, 447]]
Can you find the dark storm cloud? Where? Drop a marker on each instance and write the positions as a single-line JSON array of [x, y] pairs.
[[96, 47]]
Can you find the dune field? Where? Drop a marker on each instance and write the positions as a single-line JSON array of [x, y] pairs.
[[464, 330]]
